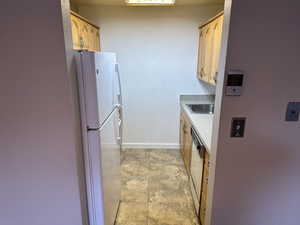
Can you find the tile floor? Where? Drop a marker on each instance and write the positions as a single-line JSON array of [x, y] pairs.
[[155, 189]]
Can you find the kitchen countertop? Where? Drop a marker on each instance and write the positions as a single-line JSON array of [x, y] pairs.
[[202, 123]]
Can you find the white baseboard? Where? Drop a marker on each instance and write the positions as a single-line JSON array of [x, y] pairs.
[[151, 145]]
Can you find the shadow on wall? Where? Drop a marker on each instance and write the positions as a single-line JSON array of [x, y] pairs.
[[265, 184], [209, 89]]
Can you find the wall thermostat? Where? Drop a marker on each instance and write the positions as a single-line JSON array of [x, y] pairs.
[[234, 83]]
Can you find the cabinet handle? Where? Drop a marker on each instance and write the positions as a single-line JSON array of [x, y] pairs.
[[216, 77], [81, 42], [202, 72]]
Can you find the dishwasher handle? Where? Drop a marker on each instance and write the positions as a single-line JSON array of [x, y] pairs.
[[198, 143]]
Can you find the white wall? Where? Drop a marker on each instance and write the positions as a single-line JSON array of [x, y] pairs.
[[39, 130], [157, 51], [257, 178]]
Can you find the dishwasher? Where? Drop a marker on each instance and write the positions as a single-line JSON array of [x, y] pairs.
[[197, 166]]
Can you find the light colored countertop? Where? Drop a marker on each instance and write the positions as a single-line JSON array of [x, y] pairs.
[[202, 123]]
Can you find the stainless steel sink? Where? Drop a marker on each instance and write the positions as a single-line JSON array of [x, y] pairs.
[[202, 108]]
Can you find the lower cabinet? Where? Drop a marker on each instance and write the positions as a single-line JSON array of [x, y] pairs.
[[186, 141], [204, 189]]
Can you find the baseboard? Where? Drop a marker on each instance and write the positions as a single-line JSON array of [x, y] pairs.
[[151, 145]]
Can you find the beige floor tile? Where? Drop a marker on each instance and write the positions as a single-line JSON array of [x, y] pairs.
[[155, 189], [132, 213], [172, 170], [134, 168], [165, 189], [169, 214], [166, 156], [135, 153], [134, 189]]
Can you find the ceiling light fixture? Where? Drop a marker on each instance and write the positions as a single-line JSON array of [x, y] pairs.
[[149, 2]]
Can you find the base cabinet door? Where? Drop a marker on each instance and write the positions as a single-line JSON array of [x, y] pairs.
[[182, 134], [188, 149], [203, 200], [185, 141]]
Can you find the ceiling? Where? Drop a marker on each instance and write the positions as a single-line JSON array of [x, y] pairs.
[[122, 2]]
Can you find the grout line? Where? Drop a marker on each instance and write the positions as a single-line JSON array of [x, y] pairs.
[[148, 172]]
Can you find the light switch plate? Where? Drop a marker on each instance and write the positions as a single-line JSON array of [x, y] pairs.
[[238, 127], [292, 112]]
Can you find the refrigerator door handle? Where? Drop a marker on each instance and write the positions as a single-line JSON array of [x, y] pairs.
[[119, 105], [119, 83], [120, 125], [93, 128]]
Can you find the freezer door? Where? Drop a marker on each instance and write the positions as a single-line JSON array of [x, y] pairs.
[[110, 160], [86, 74], [105, 63]]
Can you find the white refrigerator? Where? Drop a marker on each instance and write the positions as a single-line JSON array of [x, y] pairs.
[[101, 118]]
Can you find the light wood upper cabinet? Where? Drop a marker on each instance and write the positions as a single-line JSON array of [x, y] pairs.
[[209, 49], [208, 42], [97, 40], [216, 48], [75, 24], [201, 56], [94, 39], [86, 36]]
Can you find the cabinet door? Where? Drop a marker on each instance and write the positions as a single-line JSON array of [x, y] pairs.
[[94, 39], [188, 148], [84, 34], [203, 201], [97, 39], [216, 48], [75, 25], [208, 41], [201, 53], [182, 134], [185, 141]]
